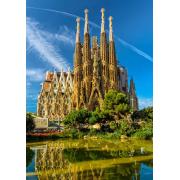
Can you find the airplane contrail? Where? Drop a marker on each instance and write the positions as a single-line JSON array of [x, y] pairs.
[[126, 44]]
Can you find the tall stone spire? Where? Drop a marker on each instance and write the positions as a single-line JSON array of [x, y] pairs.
[[132, 96], [87, 62], [77, 68], [112, 58], [77, 53], [110, 29], [104, 54], [78, 30], [86, 26], [102, 20]]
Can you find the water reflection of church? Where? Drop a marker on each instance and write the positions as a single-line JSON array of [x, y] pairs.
[[96, 70], [55, 161]]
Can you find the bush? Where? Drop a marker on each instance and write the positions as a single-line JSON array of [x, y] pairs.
[[117, 133], [29, 122], [73, 133], [92, 132], [145, 132], [145, 114], [76, 117], [93, 120], [112, 125]]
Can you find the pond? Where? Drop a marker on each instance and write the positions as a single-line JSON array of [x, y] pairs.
[[90, 159]]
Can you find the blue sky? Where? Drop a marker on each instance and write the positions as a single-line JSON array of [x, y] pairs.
[[51, 26]]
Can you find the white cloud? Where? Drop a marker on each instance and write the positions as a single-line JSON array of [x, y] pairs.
[[35, 75], [41, 41], [135, 49], [28, 83], [126, 44], [65, 35], [145, 102]]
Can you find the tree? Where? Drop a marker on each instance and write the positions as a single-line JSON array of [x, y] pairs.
[[29, 122], [76, 117], [98, 116], [145, 114], [144, 120], [116, 104], [145, 132]]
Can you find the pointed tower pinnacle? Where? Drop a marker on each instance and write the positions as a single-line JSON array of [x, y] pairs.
[[86, 28], [110, 29], [78, 30], [132, 95], [54, 75], [102, 20]]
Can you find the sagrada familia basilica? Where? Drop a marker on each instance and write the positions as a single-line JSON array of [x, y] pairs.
[[95, 72]]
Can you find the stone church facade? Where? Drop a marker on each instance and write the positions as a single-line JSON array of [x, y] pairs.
[[95, 72]]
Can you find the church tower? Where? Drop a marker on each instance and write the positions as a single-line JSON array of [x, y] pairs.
[[96, 96], [77, 68], [112, 58], [104, 54], [95, 72], [87, 63], [132, 96]]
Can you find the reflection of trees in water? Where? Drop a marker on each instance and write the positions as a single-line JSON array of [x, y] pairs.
[[78, 160], [29, 156], [121, 172], [149, 163], [81, 154], [55, 163]]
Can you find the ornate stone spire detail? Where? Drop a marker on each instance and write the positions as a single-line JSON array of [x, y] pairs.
[[55, 75], [78, 30], [86, 26], [110, 29], [69, 78], [62, 80], [102, 20], [132, 95]]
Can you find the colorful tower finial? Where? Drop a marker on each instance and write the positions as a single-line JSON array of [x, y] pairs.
[[78, 30], [110, 29], [102, 20], [86, 28]]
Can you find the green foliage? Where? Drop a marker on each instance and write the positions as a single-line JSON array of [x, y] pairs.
[[73, 133], [145, 114], [122, 108], [76, 117], [29, 156], [95, 117], [116, 103], [124, 127], [99, 116], [29, 122], [112, 119], [144, 127], [145, 132], [93, 120], [117, 134], [92, 132], [113, 125]]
